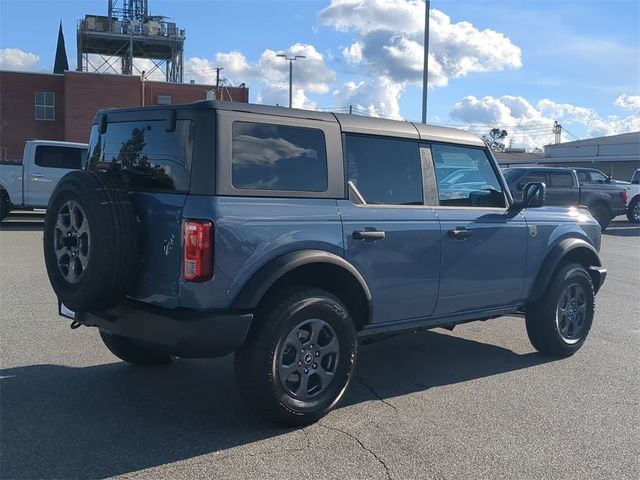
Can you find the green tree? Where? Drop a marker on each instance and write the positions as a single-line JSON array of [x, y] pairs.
[[494, 139]]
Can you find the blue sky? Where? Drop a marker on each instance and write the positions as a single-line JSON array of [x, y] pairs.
[[515, 64]]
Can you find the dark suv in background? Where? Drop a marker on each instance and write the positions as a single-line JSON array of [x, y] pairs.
[[290, 236], [604, 200]]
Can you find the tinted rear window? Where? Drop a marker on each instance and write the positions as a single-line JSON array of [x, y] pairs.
[[278, 157], [59, 157], [149, 157], [560, 179]]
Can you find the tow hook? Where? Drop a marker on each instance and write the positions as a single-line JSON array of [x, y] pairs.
[[74, 325]]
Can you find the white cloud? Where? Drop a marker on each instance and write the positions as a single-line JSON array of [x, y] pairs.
[[353, 53], [390, 38], [530, 126], [270, 74], [389, 43], [18, 60], [378, 98], [628, 102]]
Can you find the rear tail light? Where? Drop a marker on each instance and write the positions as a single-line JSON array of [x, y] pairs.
[[198, 250], [625, 197]]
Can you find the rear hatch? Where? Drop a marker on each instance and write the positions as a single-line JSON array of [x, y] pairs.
[[152, 151]]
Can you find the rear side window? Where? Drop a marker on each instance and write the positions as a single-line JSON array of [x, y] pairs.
[[145, 153], [278, 157], [472, 181], [385, 171], [533, 177], [560, 179], [59, 157]]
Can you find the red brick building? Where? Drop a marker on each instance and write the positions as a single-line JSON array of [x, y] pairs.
[[61, 107]]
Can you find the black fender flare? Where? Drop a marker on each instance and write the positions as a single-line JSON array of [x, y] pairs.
[[558, 252], [254, 290]]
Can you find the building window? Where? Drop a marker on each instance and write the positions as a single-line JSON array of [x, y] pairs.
[[45, 106], [164, 99]]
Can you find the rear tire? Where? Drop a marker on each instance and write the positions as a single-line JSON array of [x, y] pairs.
[[299, 357], [129, 351], [559, 322], [633, 210], [4, 205], [601, 214]]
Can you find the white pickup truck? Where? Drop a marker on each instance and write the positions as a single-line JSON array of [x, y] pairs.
[[633, 190], [29, 185]]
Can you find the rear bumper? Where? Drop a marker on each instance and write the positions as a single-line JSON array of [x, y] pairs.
[[179, 332], [598, 275]]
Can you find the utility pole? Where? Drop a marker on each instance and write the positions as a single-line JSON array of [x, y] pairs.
[[291, 60], [218, 96], [557, 130], [425, 65]]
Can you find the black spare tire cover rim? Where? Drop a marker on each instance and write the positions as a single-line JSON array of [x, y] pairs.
[[72, 241]]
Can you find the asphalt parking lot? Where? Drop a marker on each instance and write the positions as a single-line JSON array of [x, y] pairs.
[[477, 402]]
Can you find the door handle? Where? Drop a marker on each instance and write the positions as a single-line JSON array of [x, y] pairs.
[[368, 235], [37, 175], [460, 233]]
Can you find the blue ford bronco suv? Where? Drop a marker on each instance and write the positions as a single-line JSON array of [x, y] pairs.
[[289, 237]]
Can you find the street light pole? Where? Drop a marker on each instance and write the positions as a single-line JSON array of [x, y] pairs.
[[291, 60], [425, 67]]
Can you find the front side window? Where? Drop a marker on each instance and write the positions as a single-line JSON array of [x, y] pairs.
[[472, 181], [278, 157], [60, 157], [533, 177], [45, 106], [384, 170], [145, 153], [598, 177], [560, 180]]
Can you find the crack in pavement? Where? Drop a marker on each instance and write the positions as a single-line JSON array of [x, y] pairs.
[[363, 446], [375, 394]]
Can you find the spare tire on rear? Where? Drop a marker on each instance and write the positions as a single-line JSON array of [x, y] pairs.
[[90, 240]]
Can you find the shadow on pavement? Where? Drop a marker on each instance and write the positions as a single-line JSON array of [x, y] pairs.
[[623, 229], [104, 420]]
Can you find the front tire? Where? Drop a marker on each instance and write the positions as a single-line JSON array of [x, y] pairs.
[[559, 322], [633, 210], [299, 357], [131, 352]]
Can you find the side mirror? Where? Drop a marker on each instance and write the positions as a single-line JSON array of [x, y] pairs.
[[608, 180], [534, 195]]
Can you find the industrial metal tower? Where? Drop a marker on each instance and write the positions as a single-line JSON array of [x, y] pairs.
[[129, 32]]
